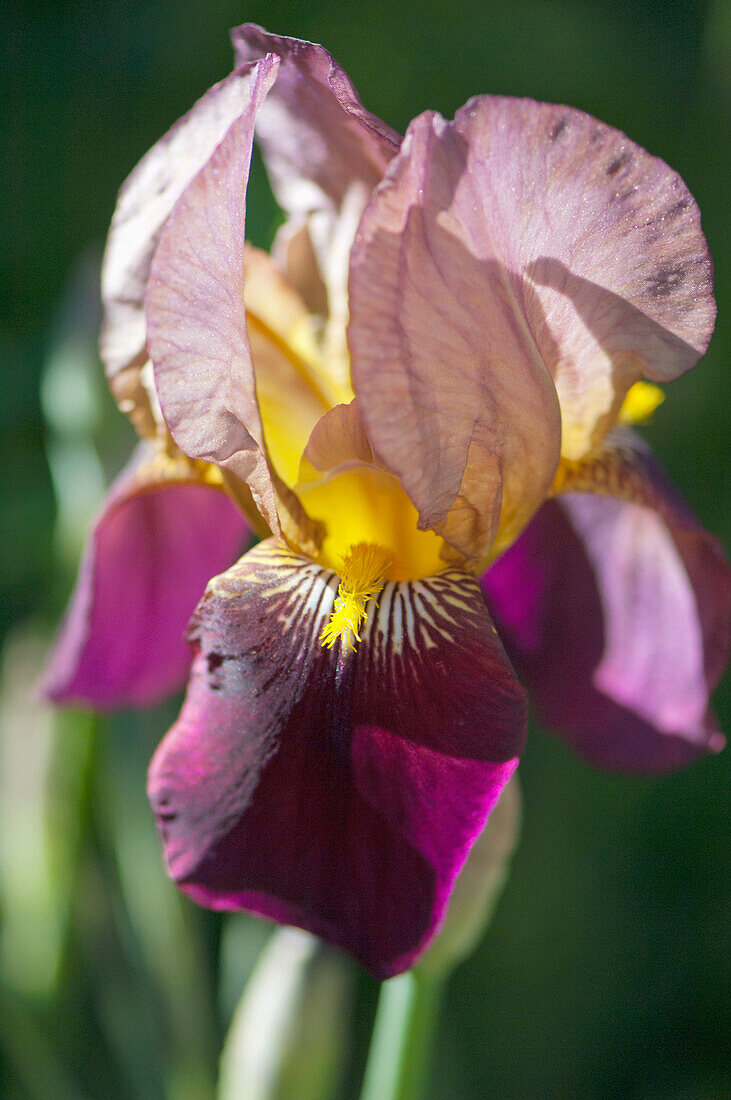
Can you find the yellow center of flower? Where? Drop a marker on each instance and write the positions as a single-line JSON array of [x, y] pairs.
[[368, 505], [362, 576], [640, 403]]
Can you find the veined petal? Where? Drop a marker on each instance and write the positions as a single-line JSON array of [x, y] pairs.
[[161, 533], [317, 138], [290, 390], [145, 202], [294, 252], [196, 326], [607, 243], [456, 396], [334, 790], [618, 613], [338, 439], [325, 153]]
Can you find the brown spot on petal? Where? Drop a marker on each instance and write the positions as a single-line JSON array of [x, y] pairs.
[[559, 128], [665, 280], [619, 162]]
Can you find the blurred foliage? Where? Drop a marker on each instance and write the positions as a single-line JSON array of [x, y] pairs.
[[605, 971]]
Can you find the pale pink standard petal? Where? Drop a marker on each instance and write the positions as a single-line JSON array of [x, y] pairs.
[[317, 138], [339, 440], [196, 320], [455, 394], [325, 153], [149, 557], [334, 790], [607, 238], [618, 616], [145, 202]]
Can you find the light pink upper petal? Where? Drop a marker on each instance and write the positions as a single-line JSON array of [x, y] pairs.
[[456, 396], [339, 438], [145, 202], [607, 237], [325, 153], [317, 138], [196, 320], [153, 548]]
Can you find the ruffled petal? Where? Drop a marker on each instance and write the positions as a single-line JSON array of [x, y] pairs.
[[196, 326], [160, 536], [607, 243], [145, 202], [455, 394], [318, 141], [618, 614], [333, 790], [325, 153], [520, 236]]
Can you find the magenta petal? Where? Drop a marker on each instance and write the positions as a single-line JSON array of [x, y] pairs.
[[619, 620], [151, 552], [340, 792]]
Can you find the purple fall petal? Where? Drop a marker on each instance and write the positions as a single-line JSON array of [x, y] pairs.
[[618, 618], [340, 792], [150, 554]]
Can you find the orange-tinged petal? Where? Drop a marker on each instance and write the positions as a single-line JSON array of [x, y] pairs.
[[289, 390], [338, 439]]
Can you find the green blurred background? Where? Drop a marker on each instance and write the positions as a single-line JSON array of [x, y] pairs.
[[605, 972]]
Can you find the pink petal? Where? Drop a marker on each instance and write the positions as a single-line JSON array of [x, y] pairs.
[[151, 552], [196, 320], [339, 439], [619, 617], [325, 153], [318, 140], [604, 241], [145, 202], [340, 792], [455, 394]]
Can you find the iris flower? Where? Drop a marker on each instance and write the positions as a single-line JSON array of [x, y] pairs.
[[421, 403]]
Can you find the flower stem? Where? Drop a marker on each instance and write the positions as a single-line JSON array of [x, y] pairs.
[[401, 1047]]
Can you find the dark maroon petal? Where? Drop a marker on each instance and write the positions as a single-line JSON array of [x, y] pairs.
[[150, 554], [618, 616], [333, 790]]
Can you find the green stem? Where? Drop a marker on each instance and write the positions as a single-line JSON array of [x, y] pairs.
[[401, 1047]]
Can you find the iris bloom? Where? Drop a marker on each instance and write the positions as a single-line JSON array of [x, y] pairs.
[[433, 372]]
